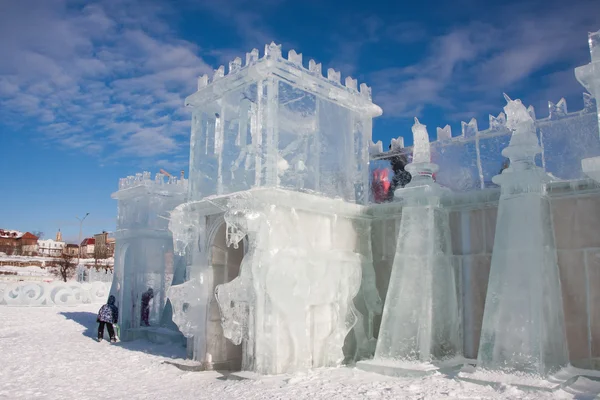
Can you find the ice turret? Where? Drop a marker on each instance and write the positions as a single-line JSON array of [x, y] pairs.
[[523, 325], [420, 323]]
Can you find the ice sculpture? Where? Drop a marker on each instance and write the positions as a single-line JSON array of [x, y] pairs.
[[293, 298], [278, 155], [420, 326], [523, 324], [55, 293], [272, 122], [589, 76], [144, 248]]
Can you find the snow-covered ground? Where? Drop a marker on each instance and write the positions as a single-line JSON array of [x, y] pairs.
[[51, 353]]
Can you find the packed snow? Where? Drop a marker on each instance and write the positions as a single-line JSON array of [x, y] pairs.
[[52, 353]]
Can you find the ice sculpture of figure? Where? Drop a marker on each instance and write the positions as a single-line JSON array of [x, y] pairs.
[[279, 154], [589, 76], [420, 327], [523, 324]]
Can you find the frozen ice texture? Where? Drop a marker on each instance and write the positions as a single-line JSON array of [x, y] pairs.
[[420, 321], [278, 124], [293, 300], [144, 256], [523, 324], [55, 293]]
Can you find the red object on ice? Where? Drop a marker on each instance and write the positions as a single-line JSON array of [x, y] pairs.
[[380, 185]]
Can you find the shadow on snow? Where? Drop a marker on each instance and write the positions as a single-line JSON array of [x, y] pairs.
[[88, 321]]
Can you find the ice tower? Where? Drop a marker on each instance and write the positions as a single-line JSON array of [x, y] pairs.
[[589, 76], [420, 327], [523, 323], [278, 175], [144, 254]]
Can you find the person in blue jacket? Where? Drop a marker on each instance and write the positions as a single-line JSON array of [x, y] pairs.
[[108, 315]]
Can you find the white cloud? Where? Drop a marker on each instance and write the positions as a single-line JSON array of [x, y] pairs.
[[103, 77], [469, 66]]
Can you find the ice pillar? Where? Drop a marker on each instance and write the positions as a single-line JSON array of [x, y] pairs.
[[420, 322], [589, 76], [523, 323]]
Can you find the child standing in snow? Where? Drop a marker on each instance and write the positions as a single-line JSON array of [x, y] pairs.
[[108, 315]]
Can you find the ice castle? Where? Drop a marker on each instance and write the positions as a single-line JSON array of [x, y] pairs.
[[272, 257]]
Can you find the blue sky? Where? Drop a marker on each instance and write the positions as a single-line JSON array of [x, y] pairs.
[[91, 91]]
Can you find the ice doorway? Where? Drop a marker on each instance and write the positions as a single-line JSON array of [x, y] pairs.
[[225, 261]]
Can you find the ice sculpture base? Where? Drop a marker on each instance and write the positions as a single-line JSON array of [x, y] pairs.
[[591, 167], [409, 368], [559, 380]]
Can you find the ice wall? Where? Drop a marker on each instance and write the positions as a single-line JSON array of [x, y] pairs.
[[144, 256], [523, 323], [468, 162], [420, 321], [274, 123], [292, 302]]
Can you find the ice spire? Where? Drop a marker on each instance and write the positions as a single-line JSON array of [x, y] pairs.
[[421, 148], [420, 326], [523, 323]]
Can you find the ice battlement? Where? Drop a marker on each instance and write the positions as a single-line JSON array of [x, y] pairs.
[[347, 92], [160, 181], [497, 125]]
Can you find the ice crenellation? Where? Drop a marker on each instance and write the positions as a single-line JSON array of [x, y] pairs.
[[272, 53], [470, 130], [145, 178]]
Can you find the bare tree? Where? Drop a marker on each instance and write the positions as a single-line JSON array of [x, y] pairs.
[[100, 253], [64, 267], [39, 234]]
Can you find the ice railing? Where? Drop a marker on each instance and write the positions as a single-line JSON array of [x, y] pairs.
[[469, 161], [293, 63], [145, 178], [53, 293]]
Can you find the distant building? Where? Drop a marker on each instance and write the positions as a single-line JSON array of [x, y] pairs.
[[8, 241], [18, 243], [72, 249], [104, 245], [50, 247], [28, 244], [87, 247]]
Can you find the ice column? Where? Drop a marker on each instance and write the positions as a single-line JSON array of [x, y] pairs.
[[523, 323], [589, 76], [420, 322]]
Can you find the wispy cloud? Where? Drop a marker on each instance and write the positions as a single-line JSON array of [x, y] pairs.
[[469, 66], [107, 77]]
